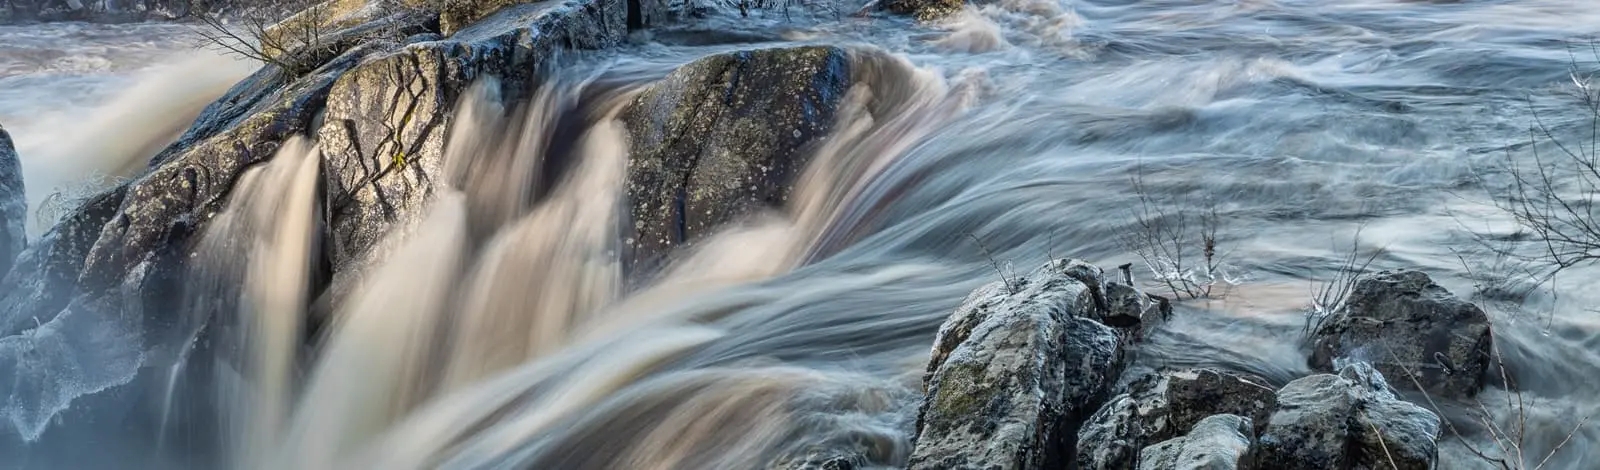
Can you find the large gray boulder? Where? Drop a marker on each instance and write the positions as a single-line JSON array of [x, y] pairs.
[[1220, 442], [1014, 371], [13, 203], [1348, 421], [1409, 327], [1164, 406], [724, 135]]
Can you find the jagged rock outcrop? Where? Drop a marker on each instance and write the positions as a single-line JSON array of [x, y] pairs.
[[723, 135], [1220, 442], [1407, 326], [1348, 421], [13, 203], [1015, 370], [1164, 406]]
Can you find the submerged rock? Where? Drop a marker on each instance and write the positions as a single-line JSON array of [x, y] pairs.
[[1014, 371], [1220, 442], [1348, 421], [1164, 406], [13, 203], [1408, 326], [724, 135]]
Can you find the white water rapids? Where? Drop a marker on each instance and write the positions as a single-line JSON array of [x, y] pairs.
[[502, 334]]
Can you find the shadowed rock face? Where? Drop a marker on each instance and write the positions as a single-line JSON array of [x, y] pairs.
[[13, 203], [725, 135], [1164, 406], [1407, 326], [1014, 371], [1348, 421]]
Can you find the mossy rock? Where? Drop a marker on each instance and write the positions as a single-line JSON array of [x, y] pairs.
[[924, 10], [726, 135]]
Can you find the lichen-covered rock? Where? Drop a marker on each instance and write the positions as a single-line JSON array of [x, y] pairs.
[[1014, 371], [726, 134], [383, 133], [13, 203], [1163, 406], [1348, 421], [1219, 442], [924, 10], [1406, 325]]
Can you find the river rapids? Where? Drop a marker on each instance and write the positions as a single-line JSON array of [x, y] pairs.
[[496, 334]]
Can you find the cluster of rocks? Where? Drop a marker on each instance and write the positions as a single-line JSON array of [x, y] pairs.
[[1022, 377]]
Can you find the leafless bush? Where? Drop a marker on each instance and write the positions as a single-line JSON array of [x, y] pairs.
[[1510, 442], [1553, 197], [1328, 295], [1008, 275], [260, 35], [1178, 243]]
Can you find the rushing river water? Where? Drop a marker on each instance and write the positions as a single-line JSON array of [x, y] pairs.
[[1302, 122]]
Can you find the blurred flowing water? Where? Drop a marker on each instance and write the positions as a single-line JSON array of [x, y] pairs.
[[1020, 125]]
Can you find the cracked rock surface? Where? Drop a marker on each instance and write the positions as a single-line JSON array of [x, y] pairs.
[[1014, 371], [725, 135]]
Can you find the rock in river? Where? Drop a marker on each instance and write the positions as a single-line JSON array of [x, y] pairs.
[[1348, 421], [1014, 371], [1407, 326], [1164, 406], [724, 135]]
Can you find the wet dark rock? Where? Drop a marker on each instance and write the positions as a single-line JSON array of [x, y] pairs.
[[1129, 308], [1014, 371], [1348, 421], [821, 459], [1219, 442], [724, 135], [42, 281], [1164, 406], [923, 10], [1409, 327], [13, 203]]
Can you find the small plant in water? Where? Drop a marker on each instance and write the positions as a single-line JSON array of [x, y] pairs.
[[1179, 244], [1328, 295]]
